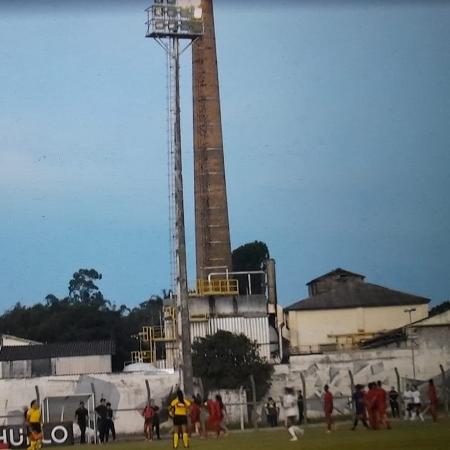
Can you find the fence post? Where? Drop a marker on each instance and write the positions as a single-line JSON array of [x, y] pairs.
[[397, 375], [201, 388], [95, 419], [38, 397], [444, 385], [147, 385], [241, 407], [352, 389], [305, 409], [254, 416]]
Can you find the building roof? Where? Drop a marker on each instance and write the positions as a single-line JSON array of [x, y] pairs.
[[56, 350], [441, 319], [382, 339], [336, 272], [399, 334], [355, 295], [19, 340]]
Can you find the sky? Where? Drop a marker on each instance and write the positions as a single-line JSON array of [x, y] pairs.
[[336, 136]]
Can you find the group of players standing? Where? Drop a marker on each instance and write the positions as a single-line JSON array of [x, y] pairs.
[[372, 404], [198, 416]]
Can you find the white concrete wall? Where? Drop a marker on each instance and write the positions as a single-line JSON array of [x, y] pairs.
[[369, 365], [313, 328], [126, 392]]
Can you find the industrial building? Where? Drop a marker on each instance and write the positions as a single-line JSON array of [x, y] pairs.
[[71, 358], [343, 310]]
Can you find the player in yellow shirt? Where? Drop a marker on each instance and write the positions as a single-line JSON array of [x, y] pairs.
[[34, 426], [178, 410]]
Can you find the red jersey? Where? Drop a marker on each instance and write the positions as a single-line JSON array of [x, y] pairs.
[[213, 409], [371, 398], [148, 413], [432, 395], [195, 413], [380, 395], [328, 402]]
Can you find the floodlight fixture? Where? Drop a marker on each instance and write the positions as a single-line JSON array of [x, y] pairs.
[[198, 13], [171, 18]]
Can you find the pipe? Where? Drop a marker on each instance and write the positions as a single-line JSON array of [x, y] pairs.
[[271, 282], [252, 272], [280, 340]]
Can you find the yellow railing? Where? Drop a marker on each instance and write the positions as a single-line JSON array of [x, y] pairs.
[[217, 287], [145, 356], [150, 335]]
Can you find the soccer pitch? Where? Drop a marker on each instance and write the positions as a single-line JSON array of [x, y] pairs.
[[410, 436]]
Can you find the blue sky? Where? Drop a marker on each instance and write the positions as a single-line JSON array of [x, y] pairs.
[[336, 138]]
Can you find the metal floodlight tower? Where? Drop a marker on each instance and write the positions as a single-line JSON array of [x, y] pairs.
[[168, 21]]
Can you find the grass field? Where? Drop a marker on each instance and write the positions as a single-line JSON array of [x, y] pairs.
[[410, 436]]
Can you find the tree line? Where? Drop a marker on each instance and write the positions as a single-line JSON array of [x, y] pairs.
[[83, 315], [86, 315]]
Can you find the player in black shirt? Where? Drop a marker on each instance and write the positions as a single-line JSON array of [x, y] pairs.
[[81, 416]]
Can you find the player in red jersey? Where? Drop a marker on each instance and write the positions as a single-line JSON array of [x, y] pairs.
[[214, 418], [371, 406], [328, 407], [433, 400], [381, 395], [194, 414]]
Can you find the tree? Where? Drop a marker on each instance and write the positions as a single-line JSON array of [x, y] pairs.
[[439, 309], [226, 361], [83, 288], [250, 257], [84, 315]]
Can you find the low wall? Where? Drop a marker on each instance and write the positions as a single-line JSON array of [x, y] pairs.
[[369, 365], [127, 393]]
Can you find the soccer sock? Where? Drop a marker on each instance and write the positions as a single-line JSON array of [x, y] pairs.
[[176, 438], [185, 440], [292, 432], [298, 430]]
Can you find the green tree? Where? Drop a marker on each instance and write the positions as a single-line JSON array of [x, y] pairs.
[[439, 309], [83, 288], [226, 361], [250, 257], [84, 315]]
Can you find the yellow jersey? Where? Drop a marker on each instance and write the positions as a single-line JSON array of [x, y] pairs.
[[180, 408], [34, 415]]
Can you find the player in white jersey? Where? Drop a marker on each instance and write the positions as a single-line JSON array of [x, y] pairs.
[[289, 402], [408, 401]]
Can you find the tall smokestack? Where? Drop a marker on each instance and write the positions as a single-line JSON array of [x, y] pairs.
[[212, 231]]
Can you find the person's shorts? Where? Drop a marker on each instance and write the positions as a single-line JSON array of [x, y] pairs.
[[179, 420], [291, 420], [35, 427]]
